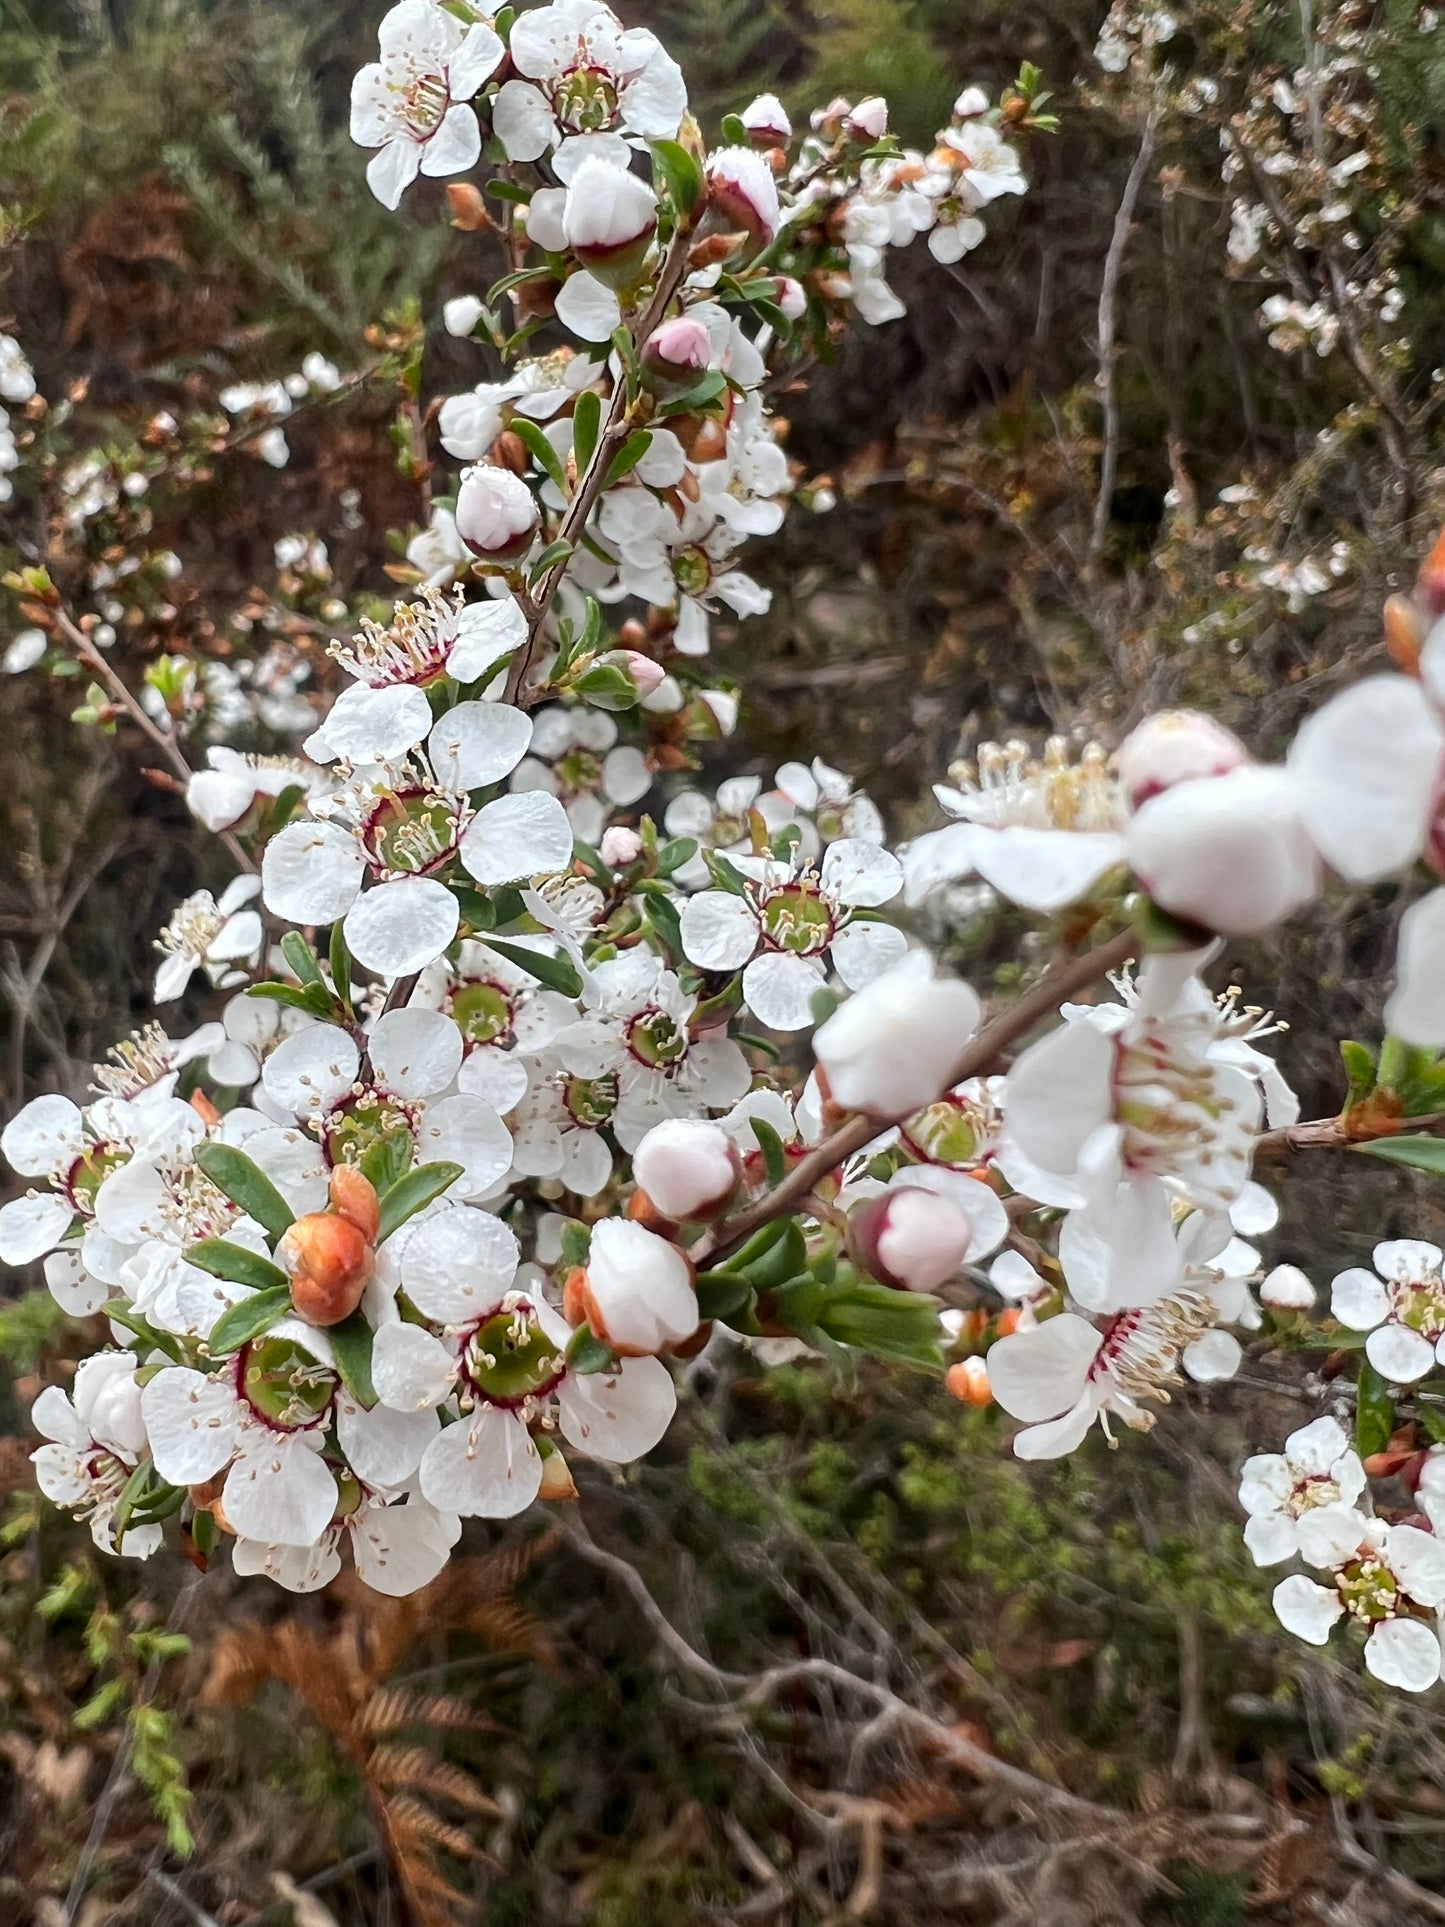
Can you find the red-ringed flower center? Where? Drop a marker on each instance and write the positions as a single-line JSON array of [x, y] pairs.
[[656, 1040], [1314, 1489], [89, 1172], [948, 1132], [482, 1011], [1419, 1305], [286, 1388], [423, 99], [797, 917], [362, 1119], [585, 99], [509, 1359], [590, 1101], [411, 832]]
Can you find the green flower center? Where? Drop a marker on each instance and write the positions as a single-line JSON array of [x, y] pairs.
[[510, 1359], [284, 1385], [1368, 1589], [411, 832], [359, 1122], [579, 772], [945, 1133], [89, 1172], [1419, 1305], [585, 99], [691, 571], [590, 1101], [797, 918], [482, 1011], [656, 1040]]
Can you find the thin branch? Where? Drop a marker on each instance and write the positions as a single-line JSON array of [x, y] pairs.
[[1063, 981], [1108, 316], [1339, 1134]]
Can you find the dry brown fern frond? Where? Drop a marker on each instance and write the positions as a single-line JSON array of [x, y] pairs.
[[341, 1674]]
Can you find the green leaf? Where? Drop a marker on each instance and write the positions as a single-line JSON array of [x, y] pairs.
[[704, 392], [586, 427], [781, 1260], [1374, 1411], [723, 1294], [680, 173], [725, 875], [412, 1193], [133, 1321], [340, 960], [248, 1320], [237, 1264], [554, 553], [672, 855], [734, 132], [302, 958], [311, 998], [556, 972], [576, 1243], [1416, 1153], [1433, 1420], [351, 1343], [774, 1160], [606, 685], [662, 912], [247, 1185], [627, 457], [387, 1160], [901, 1326], [1359, 1062], [476, 907], [586, 1353], [541, 450]]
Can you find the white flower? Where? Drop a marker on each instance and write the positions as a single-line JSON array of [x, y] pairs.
[[1415, 1009], [505, 1018], [410, 103], [1316, 1468], [639, 1292], [496, 513], [576, 757], [744, 190], [1166, 1084], [637, 1034], [1174, 746], [461, 314], [677, 557], [223, 793], [1041, 832], [989, 166], [204, 934], [396, 1548], [17, 380], [788, 918], [1231, 853], [1403, 1309], [438, 551], [686, 1167], [891, 1049], [584, 75], [1390, 1578], [263, 1423], [1366, 770], [609, 220], [432, 637], [25, 649], [97, 1437]]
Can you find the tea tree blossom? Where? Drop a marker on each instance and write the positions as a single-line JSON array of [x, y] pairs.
[[208, 934], [1390, 1578], [411, 104], [1402, 1308], [96, 1437], [1316, 1468], [582, 74]]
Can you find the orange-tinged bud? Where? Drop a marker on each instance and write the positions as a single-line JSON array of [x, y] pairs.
[[574, 1287], [329, 1262], [642, 1210], [1406, 627], [557, 1482], [1008, 1321], [510, 451], [967, 1381], [469, 210], [204, 1109], [1430, 583], [353, 1195]]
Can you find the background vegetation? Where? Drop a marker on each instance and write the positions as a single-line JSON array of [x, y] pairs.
[[1029, 529]]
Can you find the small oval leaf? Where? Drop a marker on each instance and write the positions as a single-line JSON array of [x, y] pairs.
[[247, 1185], [248, 1320]]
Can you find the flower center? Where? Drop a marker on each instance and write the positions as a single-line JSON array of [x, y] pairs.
[[286, 1388], [136, 1064], [413, 648], [692, 571], [656, 1040], [590, 1101], [482, 1011], [88, 1173], [411, 832], [579, 772], [585, 98], [509, 1360], [1007, 785], [1419, 1305], [798, 917], [1368, 1589], [1314, 1489], [954, 1131], [193, 927], [364, 1118], [423, 96], [1140, 1349]]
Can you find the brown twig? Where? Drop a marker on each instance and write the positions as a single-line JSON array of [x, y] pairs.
[[1108, 320], [1336, 1134], [977, 1057]]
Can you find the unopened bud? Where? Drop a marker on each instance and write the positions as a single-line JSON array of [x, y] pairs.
[[461, 314], [678, 351], [967, 1381], [868, 121], [744, 191], [1287, 1289], [972, 102], [496, 513], [329, 1262], [509, 451], [1430, 582], [609, 220], [469, 210], [767, 122], [620, 847], [1173, 747], [353, 1196], [910, 1238], [688, 1168], [892, 1047], [557, 1485], [791, 298], [644, 672], [638, 1290]]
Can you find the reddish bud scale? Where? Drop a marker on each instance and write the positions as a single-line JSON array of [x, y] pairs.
[[967, 1381]]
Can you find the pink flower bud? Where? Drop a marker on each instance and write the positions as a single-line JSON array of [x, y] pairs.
[[791, 298], [767, 122], [647, 674], [619, 847], [688, 1169], [829, 120], [1287, 1289], [972, 102], [910, 1238], [1174, 747], [744, 191], [869, 119], [679, 350], [893, 1046], [496, 513], [609, 220], [1227, 852], [638, 1293]]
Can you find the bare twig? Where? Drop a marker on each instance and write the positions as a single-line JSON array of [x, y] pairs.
[[1108, 332], [1338, 1134]]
